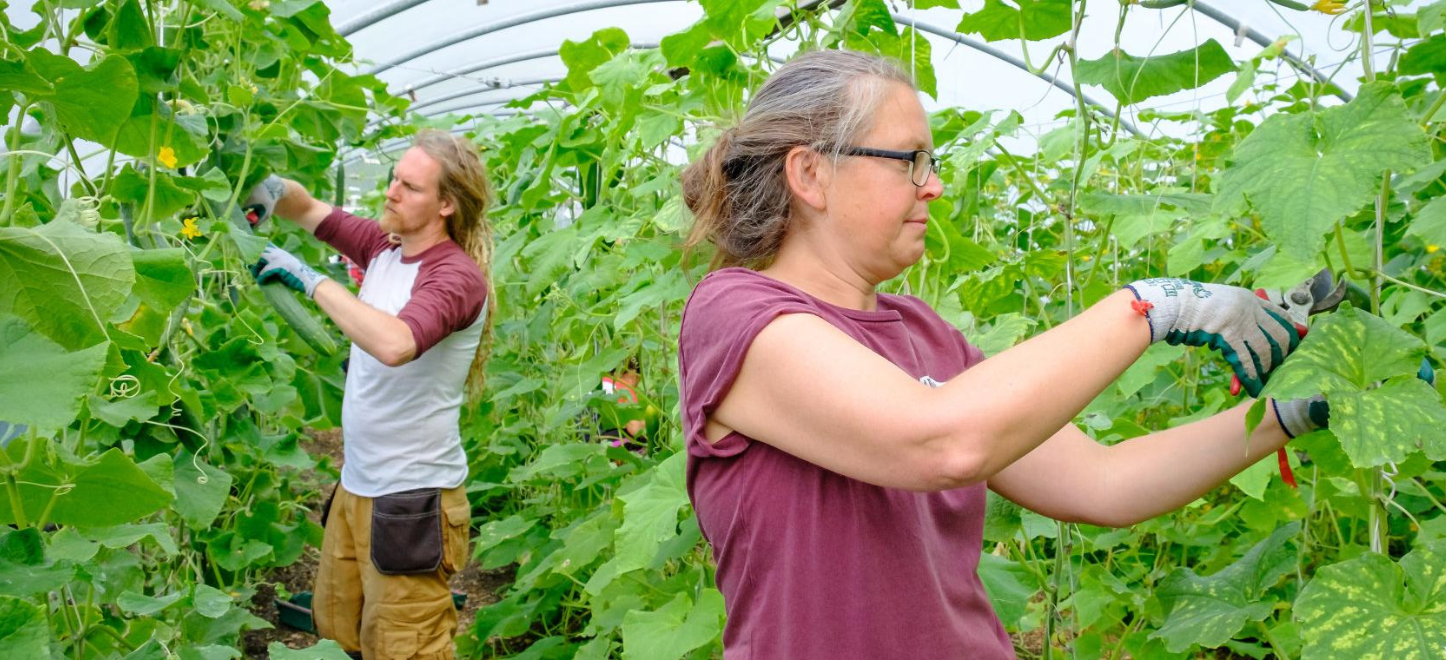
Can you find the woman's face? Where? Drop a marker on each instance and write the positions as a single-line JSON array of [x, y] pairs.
[[878, 217]]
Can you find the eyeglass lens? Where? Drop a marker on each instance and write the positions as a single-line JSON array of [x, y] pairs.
[[923, 166]]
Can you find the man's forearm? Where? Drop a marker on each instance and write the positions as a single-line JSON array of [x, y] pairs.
[[383, 336], [297, 205]]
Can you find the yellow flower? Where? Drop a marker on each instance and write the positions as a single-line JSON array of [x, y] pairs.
[[1331, 7], [1431, 249], [189, 228], [167, 157]]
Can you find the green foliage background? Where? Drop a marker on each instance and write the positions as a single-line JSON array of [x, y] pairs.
[[159, 475]]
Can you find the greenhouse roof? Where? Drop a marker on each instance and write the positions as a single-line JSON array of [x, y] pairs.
[[466, 57]]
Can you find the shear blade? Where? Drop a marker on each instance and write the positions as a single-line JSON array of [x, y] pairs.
[[1326, 294]]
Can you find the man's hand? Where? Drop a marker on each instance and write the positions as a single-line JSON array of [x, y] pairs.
[[261, 201], [1253, 334], [280, 265], [1302, 416]]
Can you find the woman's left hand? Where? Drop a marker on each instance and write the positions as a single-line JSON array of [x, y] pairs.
[[1252, 333]]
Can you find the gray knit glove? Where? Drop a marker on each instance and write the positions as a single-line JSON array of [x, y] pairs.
[[1302, 416], [261, 201], [1252, 333], [282, 266]]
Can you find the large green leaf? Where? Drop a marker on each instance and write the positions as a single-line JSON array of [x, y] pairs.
[[736, 21], [1304, 172], [64, 280], [1346, 352], [1390, 423], [581, 57], [1131, 79], [42, 384], [1430, 223], [1033, 19], [1209, 611], [650, 513], [673, 630], [127, 491], [201, 490], [909, 49], [24, 569], [1008, 584], [90, 103], [1369, 608], [19, 76], [142, 605], [1138, 216], [325, 649], [163, 279], [166, 198], [1344, 357], [24, 631], [650, 517]]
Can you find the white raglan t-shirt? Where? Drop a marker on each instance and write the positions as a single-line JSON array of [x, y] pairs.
[[399, 424]]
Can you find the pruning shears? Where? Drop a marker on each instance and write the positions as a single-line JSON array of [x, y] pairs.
[[1317, 294]]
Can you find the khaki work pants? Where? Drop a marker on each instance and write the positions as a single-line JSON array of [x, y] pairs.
[[387, 617]]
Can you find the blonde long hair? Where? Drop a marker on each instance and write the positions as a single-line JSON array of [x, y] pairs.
[[463, 182]]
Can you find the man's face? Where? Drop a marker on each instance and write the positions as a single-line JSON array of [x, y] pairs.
[[413, 198]]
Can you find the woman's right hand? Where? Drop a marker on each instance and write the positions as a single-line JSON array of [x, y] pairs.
[[1252, 333]]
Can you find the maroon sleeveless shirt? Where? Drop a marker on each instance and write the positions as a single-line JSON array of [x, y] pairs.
[[813, 564]]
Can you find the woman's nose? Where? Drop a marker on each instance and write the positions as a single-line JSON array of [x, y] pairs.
[[932, 189]]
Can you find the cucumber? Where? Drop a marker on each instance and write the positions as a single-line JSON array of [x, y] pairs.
[[285, 302], [306, 325]]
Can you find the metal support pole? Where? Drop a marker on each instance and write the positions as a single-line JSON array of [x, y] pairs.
[[379, 14], [1251, 34], [513, 21], [1018, 63]]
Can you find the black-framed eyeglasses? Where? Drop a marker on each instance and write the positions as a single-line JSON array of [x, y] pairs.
[[921, 163]]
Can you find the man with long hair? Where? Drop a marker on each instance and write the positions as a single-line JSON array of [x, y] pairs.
[[397, 526]]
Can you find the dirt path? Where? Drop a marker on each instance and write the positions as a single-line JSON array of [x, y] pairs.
[[480, 586]]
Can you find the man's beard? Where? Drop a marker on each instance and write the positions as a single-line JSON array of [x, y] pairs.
[[389, 221]]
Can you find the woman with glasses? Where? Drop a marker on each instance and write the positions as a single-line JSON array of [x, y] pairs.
[[840, 440]]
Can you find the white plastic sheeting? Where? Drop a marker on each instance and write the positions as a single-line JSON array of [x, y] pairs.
[[470, 56], [967, 77]]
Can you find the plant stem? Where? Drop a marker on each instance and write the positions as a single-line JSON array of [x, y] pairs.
[[1341, 243], [1408, 285], [1275, 646], [12, 177], [1431, 111], [80, 172], [1367, 35], [12, 487]]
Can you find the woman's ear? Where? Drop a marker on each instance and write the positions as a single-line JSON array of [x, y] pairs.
[[809, 174], [447, 208]]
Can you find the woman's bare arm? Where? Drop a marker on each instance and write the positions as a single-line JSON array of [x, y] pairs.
[[1073, 478], [812, 391]]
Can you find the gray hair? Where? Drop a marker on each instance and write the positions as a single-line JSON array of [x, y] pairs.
[[738, 190]]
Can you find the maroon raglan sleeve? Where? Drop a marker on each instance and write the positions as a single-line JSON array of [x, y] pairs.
[[724, 314], [358, 238], [448, 295]]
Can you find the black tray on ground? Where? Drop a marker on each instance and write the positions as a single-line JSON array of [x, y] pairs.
[[296, 612]]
